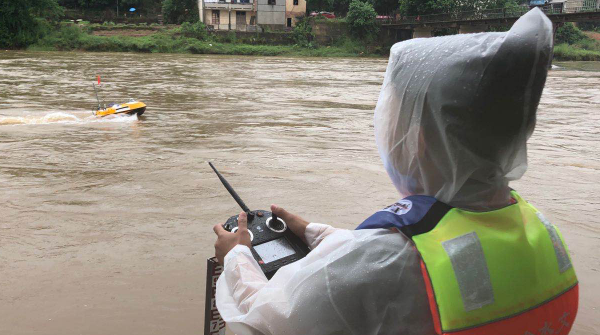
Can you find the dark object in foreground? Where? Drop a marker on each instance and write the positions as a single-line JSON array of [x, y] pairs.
[[213, 322]]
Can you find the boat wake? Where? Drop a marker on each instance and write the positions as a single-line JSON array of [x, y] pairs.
[[63, 118]]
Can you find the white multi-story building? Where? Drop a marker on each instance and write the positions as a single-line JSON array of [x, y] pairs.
[[245, 15], [577, 5]]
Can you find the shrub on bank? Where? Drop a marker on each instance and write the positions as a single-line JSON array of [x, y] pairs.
[[24, 22], [569, 34], [195, 30], [361, 18], [303, 34], [74, 37], [565, 52], [179, 11]]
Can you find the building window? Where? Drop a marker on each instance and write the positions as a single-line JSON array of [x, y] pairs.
[[295, 2], [289, 22], [271, 2], [216, 18], [240, 18]]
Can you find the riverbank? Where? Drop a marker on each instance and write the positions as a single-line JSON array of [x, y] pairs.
[[566, 52], [187, 39]]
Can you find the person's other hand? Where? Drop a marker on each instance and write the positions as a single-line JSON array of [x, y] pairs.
[[294, 222], [227, 240]]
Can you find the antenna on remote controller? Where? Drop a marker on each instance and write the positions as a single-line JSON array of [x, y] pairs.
[[235, 196]]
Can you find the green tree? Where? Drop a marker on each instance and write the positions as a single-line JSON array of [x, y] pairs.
[[124, 5], [303, 34], [179, 11], [340, 7], [23, 22], [385, 6], [361, 19], [569, 34], [479, 5], [321, 5], [425, 7], [195, 30]]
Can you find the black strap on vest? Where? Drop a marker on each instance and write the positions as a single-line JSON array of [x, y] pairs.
[[435, 214]]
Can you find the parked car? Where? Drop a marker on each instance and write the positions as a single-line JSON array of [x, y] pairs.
[[325, 14]]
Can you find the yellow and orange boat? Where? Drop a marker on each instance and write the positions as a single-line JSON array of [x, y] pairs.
[[131, 107]]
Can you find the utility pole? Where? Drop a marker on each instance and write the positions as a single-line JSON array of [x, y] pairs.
[[117, 9]]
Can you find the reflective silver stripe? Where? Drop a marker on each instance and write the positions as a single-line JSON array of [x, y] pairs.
[[564, 263], [471, 271]]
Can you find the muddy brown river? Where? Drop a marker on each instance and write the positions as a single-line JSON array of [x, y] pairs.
[[106, 224]]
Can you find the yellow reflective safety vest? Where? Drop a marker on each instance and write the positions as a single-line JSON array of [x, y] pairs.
[[501, 272]]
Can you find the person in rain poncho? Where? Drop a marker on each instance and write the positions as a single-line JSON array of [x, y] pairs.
[[461, 252]]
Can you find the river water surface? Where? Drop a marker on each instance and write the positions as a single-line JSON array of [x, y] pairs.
[[105, 225]]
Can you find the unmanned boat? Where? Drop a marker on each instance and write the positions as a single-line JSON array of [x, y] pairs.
[[131, 107]]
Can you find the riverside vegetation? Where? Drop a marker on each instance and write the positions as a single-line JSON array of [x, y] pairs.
[[34, 24], [193, 38], [573, 44]]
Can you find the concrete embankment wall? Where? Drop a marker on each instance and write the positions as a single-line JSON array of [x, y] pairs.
[[325, 33], [271, 38], [328, 32]]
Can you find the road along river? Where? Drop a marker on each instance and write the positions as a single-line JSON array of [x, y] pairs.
[[105, 225]]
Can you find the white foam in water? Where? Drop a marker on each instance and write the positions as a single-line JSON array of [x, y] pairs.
[[555, 67], [63, 118], [113, 118], [58, 117]]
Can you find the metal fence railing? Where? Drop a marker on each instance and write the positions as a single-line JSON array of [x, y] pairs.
[[481, 15]]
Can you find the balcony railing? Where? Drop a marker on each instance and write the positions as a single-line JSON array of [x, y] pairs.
[[245, 5], [242, 2]]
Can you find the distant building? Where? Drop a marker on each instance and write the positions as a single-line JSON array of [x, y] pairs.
[[582, 4], [271, 13], [245, 15], [566, 5], [228, 14], [294, 10]]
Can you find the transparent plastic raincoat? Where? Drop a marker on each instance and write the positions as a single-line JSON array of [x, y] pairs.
[[451, 122]]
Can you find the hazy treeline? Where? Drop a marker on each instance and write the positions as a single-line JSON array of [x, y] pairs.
[[413, 7]]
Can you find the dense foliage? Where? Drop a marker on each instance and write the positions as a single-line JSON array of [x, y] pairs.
[[569, 34], [425, 7], [303, 34], [341, 7], [144, 6], [195, 30], [23, 22], [361, 19], [173, 40], [178, 11], [589, 26]]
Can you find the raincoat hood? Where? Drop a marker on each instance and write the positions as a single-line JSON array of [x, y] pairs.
[[455, 112]]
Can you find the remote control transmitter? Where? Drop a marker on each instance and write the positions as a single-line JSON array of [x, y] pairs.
[[273, 244]]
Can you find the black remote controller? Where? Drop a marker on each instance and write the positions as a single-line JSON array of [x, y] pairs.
[[273, 243]]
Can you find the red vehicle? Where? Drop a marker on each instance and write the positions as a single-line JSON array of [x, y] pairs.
[[325, 14]]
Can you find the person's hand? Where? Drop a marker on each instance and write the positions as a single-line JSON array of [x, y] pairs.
[[294, 222], [227, 241]]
